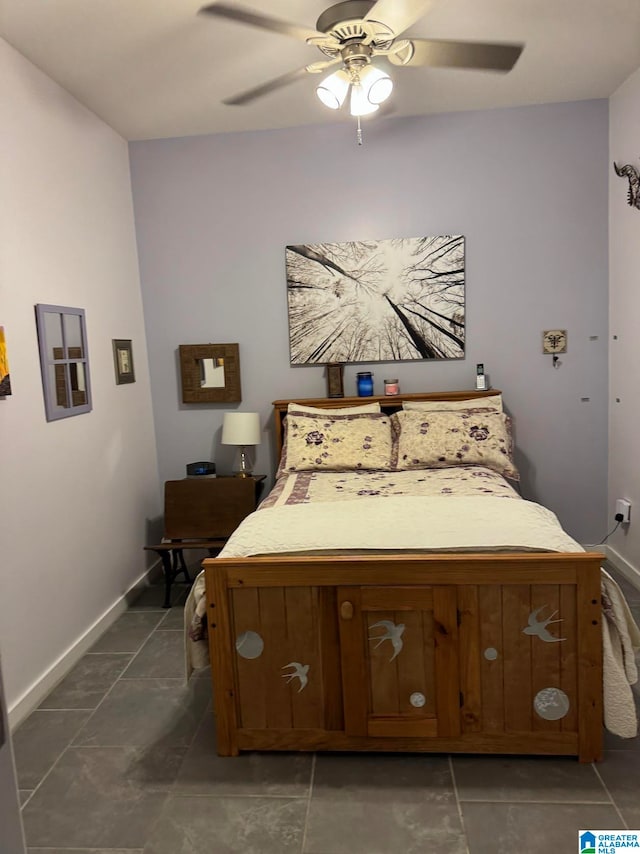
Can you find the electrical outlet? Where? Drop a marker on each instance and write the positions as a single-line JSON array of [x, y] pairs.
[[623, 508]]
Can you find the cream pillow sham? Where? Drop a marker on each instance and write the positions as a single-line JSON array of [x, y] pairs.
[[443, 439], [336, 442], [490, 401], [364, 409]]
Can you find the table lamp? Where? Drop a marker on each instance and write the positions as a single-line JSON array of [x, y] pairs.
[[243, 430]]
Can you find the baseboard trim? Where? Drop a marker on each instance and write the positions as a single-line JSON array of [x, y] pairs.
[[34, 695], [630, 572]]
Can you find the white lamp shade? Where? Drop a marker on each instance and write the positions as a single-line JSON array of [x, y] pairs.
[[360, 104], [376, 84], [241, 428], [333, 89]]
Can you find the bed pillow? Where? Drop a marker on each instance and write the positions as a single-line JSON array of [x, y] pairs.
[[490, 401], [343, 410], [465, 438], [336, 442]]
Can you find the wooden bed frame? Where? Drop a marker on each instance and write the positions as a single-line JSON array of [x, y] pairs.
[[469, 679]]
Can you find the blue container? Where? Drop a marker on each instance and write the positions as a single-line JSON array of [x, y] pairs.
[[365, 384]]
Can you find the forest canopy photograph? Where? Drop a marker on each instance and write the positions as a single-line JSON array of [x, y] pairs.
[[376, 301]]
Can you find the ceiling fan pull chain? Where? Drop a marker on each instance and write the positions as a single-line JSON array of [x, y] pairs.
[[359, 133]]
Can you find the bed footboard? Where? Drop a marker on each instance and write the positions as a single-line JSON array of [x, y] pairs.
[[473, 653]]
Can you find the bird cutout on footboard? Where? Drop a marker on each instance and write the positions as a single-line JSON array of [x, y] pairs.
[[631, 173], [393, 633], [539, 627], [299, 672]]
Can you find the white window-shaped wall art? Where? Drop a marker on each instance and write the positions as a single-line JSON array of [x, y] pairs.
[[64, 361]]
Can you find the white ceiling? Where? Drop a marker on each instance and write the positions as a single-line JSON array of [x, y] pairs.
[[154, 68]]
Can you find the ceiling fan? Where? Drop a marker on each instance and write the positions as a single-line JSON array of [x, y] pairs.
[[351, 34]]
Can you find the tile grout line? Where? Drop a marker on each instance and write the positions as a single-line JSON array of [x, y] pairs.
[[538, 802], [53, 764], [92, 712], [306, 817], [458, 803], [75, 734], [170, 792], [613, 803], [124, 678], [70, 742], [247, 796], [142, 646]]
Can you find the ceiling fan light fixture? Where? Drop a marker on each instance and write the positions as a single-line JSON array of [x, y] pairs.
[[332, 91], [360, 104], [376, 83]]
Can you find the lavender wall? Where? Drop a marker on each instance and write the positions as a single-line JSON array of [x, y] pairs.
[[526, 186], [624, 307]]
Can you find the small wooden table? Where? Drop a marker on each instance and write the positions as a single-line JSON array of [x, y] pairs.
[[202, 513]]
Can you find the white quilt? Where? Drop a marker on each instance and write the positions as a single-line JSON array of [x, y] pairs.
[[424, 524], [407, 523]]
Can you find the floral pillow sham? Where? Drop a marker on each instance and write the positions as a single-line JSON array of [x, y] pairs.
[[441, 439], [336, 442]]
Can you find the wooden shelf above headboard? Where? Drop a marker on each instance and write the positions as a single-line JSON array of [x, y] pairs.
[[388, 404]]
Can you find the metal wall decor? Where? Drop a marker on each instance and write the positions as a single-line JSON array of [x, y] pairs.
[[552, 704], [631, 174], [249, 645], [376, 301], [392, 633], [299, 671], [539, 627]]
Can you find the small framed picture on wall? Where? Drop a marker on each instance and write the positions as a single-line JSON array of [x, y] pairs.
[[123, 361]]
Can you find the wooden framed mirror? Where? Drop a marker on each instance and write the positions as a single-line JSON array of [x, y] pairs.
[[210, 373]]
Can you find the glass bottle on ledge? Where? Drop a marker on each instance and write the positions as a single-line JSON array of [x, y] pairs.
[[365, 384]]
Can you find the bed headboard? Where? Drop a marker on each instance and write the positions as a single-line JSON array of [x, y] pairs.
[[388, 404]]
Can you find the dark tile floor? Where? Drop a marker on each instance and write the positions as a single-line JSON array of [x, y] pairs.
[[120, 759]]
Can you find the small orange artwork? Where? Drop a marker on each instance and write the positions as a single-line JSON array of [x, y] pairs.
[[5, 380]]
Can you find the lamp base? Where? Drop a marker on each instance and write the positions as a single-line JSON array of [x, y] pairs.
[[243, 463]]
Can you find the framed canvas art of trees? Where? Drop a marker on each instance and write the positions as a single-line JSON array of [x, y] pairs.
[[376, 301]]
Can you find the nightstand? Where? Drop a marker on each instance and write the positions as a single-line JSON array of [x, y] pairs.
[[202, 513], [258, 479]]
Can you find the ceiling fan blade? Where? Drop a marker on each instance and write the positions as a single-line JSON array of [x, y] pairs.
[[255, 19], [398, 15], [265, 88], [449, 54]]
